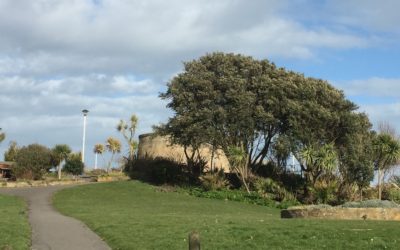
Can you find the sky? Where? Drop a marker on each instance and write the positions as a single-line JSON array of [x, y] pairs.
[[114, 57]]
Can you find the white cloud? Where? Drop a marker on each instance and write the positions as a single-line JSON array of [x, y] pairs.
[[114, 56], [371, 15], [67, 37], [373, 87]]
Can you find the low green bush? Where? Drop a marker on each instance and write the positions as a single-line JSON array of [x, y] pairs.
[[393, 194], [214, 180], [310, 207], [325, 192], [32, 162], [267, 187], [74, 164], [240, 196], [371, 204]]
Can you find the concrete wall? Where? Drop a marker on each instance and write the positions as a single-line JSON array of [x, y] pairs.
[[151, 146]]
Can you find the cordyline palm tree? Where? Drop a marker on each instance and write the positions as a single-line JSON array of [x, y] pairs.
[[317, 162], [60, 152], [98, 150], [113, 145], [128, 132], [238, 160], [386, 154]]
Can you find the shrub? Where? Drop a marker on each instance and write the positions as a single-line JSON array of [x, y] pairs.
[[391, 192], [394, 195], [240, 196], [372, 204], [74, 164], [32, 162], [325, 192], [288, 180], [269, 188], [310, 207], [214, 180]]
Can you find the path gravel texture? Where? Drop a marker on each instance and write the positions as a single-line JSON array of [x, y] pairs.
[[50, 229]]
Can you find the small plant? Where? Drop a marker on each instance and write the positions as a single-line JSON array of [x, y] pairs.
[[325, 192], [74, 164], [214, 180], [394, 195], [269, 188]]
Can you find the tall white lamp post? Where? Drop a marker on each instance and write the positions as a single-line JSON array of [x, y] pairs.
[[85, 112]]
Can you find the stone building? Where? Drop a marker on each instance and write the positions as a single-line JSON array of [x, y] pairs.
[[5, 169], [152, 146]]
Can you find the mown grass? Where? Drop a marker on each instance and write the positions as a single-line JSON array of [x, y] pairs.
[[15, 232], [134, 215]]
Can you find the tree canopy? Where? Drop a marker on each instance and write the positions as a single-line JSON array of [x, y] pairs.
[[236, 101], [2, 136]]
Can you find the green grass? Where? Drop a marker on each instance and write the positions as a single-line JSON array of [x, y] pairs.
[[15, 232], [133, 215]]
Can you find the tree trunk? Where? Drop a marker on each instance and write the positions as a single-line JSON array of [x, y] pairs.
[[109, 164], [59, 171], [212, 159], [379, 184], [246, 186]]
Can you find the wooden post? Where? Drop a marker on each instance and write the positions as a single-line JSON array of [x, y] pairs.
[[194, 241]]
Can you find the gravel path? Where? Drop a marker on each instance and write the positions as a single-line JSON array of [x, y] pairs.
[[50, 229]]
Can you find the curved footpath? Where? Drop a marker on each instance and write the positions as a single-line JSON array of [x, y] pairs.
[[50, 229]]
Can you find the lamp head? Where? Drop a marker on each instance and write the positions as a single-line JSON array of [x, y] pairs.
[[85, 112]]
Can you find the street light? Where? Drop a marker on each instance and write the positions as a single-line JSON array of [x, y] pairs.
[[85, 112]]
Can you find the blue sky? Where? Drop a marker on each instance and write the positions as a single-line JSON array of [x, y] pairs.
[[113, 57]]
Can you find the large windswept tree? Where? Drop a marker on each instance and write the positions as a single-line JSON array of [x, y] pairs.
[[237, 102]]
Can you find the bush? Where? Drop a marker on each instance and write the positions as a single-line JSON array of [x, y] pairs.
[[267, 187], [311, 207], [325, 192], [394, 195], [214, 180], [157, 171], [74, 165], [290, 181], [32, 162], [240, 196], [391, 191], [372, 204]]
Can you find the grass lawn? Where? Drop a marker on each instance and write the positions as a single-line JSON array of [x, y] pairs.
[[15, 232], [134, 215]]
